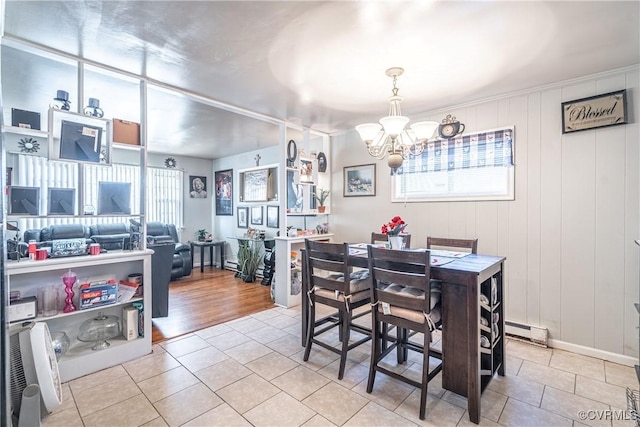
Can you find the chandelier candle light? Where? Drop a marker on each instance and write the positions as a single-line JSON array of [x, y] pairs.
[[391, 136]]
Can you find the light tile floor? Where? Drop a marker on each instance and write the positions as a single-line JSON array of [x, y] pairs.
[[250, 372]]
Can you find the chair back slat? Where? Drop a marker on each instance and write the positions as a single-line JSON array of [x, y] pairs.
[[415, 280], [391, 269], [324, 264], [445, 242], [326, 261]]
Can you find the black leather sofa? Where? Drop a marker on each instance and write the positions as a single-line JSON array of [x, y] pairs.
[[114, 237], [43, 237]]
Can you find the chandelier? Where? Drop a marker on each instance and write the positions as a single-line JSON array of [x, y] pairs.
[[391, 137]]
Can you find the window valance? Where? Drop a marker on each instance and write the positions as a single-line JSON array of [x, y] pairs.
[[483, 149]]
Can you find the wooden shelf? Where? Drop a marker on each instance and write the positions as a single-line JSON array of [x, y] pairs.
[[86, 310], [27, 132]]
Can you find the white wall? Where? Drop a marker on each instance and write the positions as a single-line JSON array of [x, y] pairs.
[[572, 264], [198, 213], [226, 226]]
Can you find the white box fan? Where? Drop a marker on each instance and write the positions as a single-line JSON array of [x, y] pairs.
[[32, 360]]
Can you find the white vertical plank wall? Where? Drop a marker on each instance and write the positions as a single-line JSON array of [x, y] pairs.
[[572, 265]]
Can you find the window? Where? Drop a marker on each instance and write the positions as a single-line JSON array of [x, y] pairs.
[[164, 189], [472, 167]]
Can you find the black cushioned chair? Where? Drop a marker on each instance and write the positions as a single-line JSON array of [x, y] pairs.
[[159, 232], [111, 236]]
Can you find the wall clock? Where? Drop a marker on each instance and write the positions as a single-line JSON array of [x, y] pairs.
[[322, 162], [292, 153], [450, 127], [170, 163], [28, 145]]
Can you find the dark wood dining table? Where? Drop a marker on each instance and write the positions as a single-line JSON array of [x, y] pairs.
[[463, 371]]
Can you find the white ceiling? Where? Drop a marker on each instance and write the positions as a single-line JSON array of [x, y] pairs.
[[316, 64]]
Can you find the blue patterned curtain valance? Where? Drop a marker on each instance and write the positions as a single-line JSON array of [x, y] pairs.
[[490, 148]]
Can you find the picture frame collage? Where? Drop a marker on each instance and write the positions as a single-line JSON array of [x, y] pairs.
[[257, 215]]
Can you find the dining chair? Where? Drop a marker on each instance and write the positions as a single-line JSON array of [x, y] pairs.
[[379, 237], [326, 266], [400, 296], [447, 243]]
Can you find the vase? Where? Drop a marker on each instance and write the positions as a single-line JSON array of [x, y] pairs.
[[69, 278], [396, 242]]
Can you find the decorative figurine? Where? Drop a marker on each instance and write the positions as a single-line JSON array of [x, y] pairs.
[[61, 101], [93, 109], [69, 279]]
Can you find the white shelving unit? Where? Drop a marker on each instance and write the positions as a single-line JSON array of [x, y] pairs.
[[288, 277], [28, 276], [299, 210]]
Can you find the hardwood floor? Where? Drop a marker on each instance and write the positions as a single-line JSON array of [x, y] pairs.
[[206, 299]]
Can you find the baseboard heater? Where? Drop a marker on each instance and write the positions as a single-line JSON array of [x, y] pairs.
[[533, 334]]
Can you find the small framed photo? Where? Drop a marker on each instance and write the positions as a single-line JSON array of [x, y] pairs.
[[243, 217], [62, 201], [273, 216], [360, 180], [197, 187], [256, 215]]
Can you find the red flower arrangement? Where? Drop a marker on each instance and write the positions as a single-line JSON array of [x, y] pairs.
[[395, 227]]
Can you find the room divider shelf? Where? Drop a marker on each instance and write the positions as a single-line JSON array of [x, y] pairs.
[[28, 276]]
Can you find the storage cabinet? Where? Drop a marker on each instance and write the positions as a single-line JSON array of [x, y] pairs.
[[491, 324], [288, 278], [28, 276]]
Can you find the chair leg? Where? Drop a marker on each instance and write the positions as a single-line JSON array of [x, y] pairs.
[[310, 330], [375, 350], [385, 334], [405, 348], [425, 374], [345, 332], [341, 315], [401, 349]]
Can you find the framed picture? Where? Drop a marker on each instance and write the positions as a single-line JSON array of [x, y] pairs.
[[243, 217], [273, 216], [256, 215], [62, 201], [598, 111], [255, 185], [360, 180], [224, 192], [114, 198], [79, 138], [24, 200], [197, 187]]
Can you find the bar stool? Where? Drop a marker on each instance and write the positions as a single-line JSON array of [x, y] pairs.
[[333, 282], [400, 296]]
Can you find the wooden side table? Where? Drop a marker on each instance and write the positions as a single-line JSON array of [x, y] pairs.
[[202, 245]]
